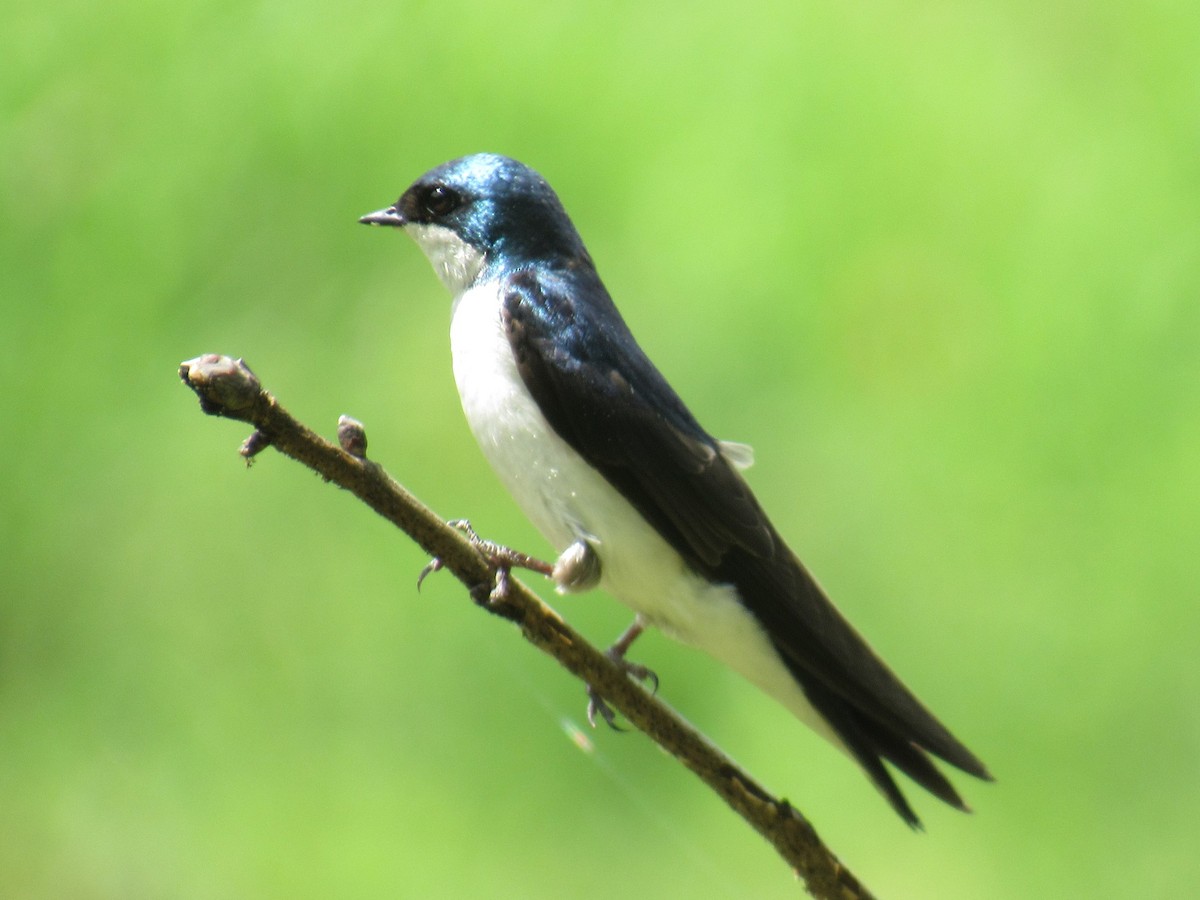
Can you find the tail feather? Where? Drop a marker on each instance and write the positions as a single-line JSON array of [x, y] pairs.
[[871, 742]]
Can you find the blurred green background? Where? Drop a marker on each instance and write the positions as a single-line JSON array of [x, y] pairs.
[[939, 263]]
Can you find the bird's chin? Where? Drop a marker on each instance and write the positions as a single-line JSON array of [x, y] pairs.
[[455, 261]]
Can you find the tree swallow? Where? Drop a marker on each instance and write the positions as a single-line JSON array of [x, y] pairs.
[[610, 465]]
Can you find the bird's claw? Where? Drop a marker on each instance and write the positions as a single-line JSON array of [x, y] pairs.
[[435, 565], [598, 706], [501, 584], [644, 675]]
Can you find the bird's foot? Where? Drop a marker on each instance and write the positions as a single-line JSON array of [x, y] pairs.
[[500, 559], [597, 706]]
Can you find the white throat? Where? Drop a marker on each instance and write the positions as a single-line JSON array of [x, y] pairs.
[[455, 261]]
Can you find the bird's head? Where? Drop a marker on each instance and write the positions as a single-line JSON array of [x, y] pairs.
[[481, 211]]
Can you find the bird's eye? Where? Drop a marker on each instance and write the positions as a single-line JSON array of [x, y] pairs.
[[440, 200]]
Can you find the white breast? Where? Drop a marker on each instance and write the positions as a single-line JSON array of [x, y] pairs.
[[563, 496]]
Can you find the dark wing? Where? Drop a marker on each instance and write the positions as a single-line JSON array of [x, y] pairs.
[[605, 398], [614, 408]]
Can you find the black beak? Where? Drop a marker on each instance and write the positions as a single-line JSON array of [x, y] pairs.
[[390, 216]]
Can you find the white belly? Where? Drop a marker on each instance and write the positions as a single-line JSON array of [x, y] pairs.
[[567, 499]]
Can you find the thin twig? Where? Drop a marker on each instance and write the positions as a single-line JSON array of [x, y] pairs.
[[226, 387]]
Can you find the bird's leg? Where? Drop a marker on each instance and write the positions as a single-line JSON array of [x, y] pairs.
[[596, 703], [499, 558]]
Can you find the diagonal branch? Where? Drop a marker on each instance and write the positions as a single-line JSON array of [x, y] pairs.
[[226, 387]]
